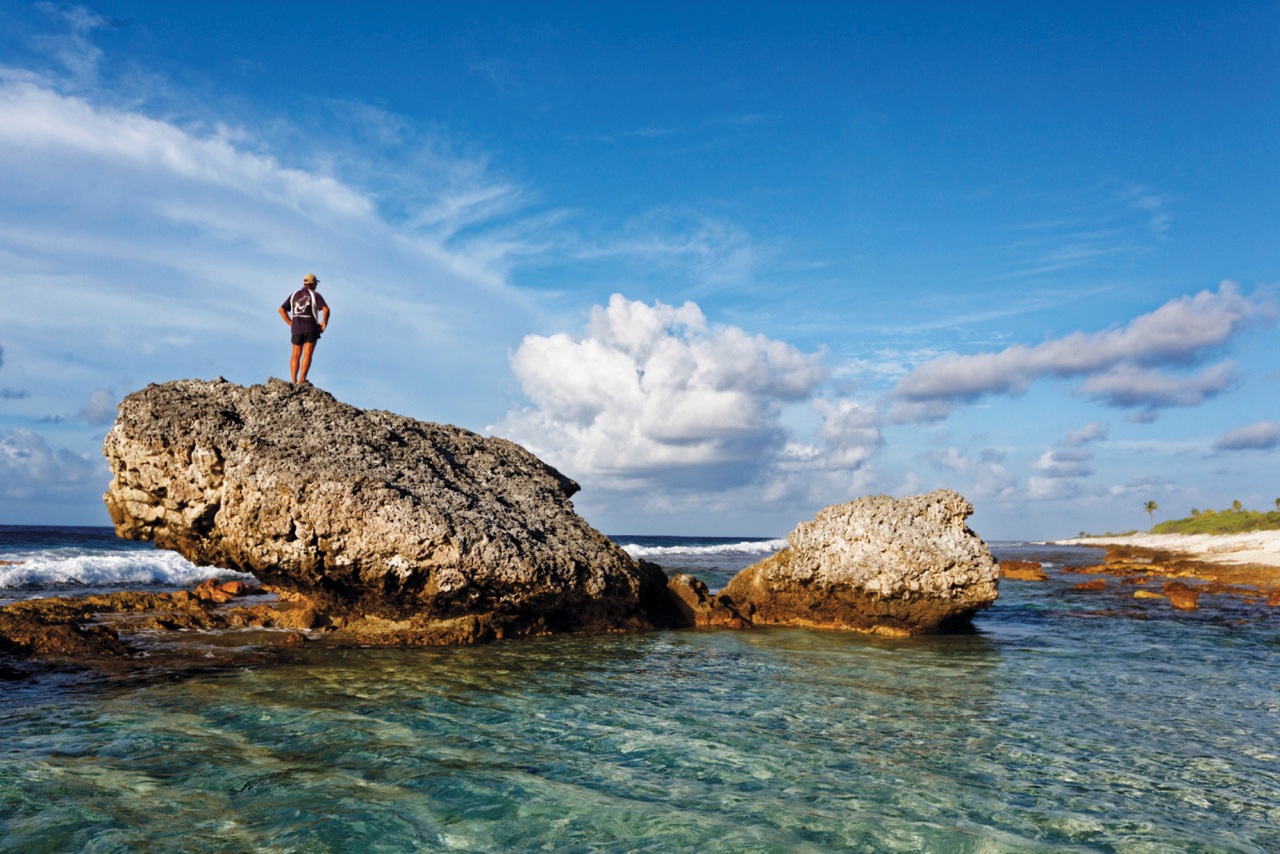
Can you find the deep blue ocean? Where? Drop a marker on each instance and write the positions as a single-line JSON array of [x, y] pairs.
[[1065, 721]]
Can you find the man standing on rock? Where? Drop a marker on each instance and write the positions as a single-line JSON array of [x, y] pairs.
[[302, 312]]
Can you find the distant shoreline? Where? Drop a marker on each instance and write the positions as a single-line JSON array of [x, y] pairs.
[[1261, 548]]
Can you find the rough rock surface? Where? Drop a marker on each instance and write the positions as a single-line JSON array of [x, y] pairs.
[[906, 566], [1182, 596], [55, 627], [1023, 570], [415, 527], [696, 605]]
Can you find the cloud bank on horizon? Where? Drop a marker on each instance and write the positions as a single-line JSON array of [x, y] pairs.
[[1121, 367], [719, 312]]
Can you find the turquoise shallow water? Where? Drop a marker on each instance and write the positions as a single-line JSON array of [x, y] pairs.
[[1064, 723]]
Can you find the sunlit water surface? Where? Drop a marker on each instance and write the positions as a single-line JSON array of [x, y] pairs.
[[1058, 725]]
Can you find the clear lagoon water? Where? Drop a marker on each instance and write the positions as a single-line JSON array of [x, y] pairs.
[[1064, 722]]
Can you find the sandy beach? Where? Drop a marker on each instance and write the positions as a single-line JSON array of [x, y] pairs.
[[1256, 548]]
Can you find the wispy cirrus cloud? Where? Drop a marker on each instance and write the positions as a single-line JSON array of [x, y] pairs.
[[37, 122], [1119, 365], [1113, 223], [699, 252], [73, 47]]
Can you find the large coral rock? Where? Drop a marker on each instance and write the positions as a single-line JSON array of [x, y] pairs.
[[411, 525], [906, 566]]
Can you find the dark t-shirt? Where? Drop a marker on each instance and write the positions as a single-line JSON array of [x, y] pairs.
[[304, 309]]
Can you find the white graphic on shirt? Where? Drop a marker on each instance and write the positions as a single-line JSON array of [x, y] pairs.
[[305, 305]]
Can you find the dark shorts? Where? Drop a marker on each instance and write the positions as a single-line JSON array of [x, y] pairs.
[[306, 337]]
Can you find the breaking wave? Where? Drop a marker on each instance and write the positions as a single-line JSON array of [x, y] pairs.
[[58, 568], [745, 547]]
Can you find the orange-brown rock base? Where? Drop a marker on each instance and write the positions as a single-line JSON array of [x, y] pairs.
[[117, 625], [1135, 566], [1022, 570], [698, 607]]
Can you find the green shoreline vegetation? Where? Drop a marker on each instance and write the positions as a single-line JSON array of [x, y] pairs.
[[1234, 520]]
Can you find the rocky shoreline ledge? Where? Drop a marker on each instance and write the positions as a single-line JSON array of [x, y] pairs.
[[1180, 573], [1257, 549], [366, 527], [1243, 565]]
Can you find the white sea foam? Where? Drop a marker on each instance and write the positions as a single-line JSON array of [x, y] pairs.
[[67, 568], [743, 548]]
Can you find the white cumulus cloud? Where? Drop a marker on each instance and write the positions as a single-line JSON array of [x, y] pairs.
[[850, 433], [655, 392]]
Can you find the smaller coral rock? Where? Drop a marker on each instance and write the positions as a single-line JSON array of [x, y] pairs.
[[1096, 584], [905, 566]]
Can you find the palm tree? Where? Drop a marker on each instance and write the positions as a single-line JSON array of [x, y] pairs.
[[1151, 507]]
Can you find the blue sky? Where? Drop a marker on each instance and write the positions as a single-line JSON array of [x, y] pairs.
[[724, 264]]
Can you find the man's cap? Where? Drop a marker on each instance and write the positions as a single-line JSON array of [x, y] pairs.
[[310, 279]]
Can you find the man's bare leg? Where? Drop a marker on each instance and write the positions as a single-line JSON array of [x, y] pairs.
[[306, 361], [293, 363]]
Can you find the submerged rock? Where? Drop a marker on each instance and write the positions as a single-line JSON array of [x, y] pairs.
[[905, 566], [1022, 570], [1182, 596], [423, 530]]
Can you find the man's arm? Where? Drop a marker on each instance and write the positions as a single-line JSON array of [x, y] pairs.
[[324, 323], [285, 315]]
